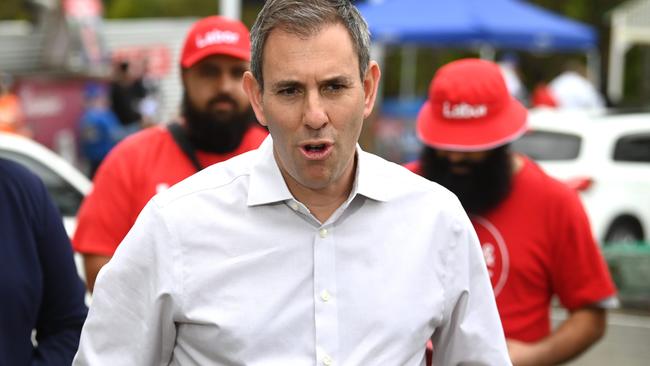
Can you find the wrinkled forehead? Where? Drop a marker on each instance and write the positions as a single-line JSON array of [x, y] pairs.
[[328, 50]]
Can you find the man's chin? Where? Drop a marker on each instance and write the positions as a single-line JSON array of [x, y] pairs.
[[460, 171]]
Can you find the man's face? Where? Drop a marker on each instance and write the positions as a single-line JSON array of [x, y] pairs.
[[213, 85], [215, 107], [313, 103], [481, 179]]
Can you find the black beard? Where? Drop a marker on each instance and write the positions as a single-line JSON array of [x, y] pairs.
[[215, 132], [479, 191]]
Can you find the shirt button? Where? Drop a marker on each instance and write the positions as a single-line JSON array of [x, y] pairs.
[[323, 233], [293, 205], [325, 295], [327, 361]]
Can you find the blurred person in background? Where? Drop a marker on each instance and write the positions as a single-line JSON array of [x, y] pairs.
[[216, 123], [534, 232], [42, 305], [149, 105], [308, 250], [11, 112], [126, 92], [572, 89], [99, 128], [509, 65]]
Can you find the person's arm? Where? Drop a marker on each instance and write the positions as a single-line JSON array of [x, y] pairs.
[[136, 299], [471, 332], [108, 212], [92, 264], [62, 308], [578, 332]]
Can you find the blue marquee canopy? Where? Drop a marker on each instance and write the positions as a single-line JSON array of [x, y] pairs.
[[506, 24]]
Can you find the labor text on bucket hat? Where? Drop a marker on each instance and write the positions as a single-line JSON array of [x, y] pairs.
[[469, 109], [216, 35]]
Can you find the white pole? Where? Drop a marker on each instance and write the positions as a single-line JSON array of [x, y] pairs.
[[230, 8], [487, 52], [593, 67], [618, 46]]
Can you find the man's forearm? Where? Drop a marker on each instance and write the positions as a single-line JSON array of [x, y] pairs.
[[576, 334], [92, 264]]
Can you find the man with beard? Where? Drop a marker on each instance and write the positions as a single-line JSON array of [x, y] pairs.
[[535, 236], [216, 124]]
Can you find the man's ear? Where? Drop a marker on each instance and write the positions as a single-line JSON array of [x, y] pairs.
[[254, 92], [370, 85]]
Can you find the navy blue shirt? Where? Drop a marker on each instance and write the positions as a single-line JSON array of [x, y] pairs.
[[39, 285]]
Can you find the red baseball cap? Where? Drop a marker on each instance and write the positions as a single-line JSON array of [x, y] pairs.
[[216, 35], [470, 109]]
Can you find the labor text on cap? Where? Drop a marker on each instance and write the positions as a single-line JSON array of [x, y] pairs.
[[216, 36], [463, 110]]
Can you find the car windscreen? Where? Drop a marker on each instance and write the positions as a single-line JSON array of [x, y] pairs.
[[547, 145], [65, 196]]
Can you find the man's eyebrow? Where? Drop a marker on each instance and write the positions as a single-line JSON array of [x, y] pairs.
[[341, 79], [283, 84]]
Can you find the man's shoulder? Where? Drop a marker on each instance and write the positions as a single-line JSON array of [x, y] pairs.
[[402, 181], [536, 180], [18, 176], [145, 138], [146, 142], [217, 177]]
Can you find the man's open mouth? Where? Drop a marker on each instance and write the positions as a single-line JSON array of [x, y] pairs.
[[316, 151], [315, 148]]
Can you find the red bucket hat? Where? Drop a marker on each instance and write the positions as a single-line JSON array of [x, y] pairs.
[[469, 109], [216, 35]]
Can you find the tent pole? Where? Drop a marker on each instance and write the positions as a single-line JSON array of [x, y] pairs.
[[230, 8], [593, 67], [618, 46], [487, 52]]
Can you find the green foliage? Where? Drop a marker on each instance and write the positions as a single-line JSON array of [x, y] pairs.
[[12, 10], [160, 8], [173, 8]]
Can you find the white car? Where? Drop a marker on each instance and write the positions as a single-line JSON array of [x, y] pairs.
[[66, 185], [606, 157]]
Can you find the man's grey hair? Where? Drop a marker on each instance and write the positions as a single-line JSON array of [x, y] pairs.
[[305, 19]]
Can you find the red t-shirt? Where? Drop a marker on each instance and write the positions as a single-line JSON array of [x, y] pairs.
[[538, 243], [133, 172]]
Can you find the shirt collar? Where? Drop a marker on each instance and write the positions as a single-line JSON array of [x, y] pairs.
[[266, 182], [268, 186]]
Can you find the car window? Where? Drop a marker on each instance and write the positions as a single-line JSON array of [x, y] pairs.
[[634, 148], [545, 145], [65, 196]]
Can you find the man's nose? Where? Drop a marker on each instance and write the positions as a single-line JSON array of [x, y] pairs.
[[314, 114], [455, 156], [228, 84]]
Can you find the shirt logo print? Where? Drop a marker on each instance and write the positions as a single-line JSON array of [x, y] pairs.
[[495, 252]]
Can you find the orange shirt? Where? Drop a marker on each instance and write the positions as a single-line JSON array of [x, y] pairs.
[[11, 115]]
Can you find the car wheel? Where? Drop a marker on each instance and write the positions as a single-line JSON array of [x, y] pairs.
[[624, 231]]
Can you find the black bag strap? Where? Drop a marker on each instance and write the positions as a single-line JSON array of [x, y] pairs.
[[178, 133]]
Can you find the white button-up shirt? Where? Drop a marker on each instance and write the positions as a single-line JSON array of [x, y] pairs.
[[227, 268]]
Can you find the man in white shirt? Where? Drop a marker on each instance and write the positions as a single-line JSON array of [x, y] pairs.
[[308, 250], [573, 90]]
